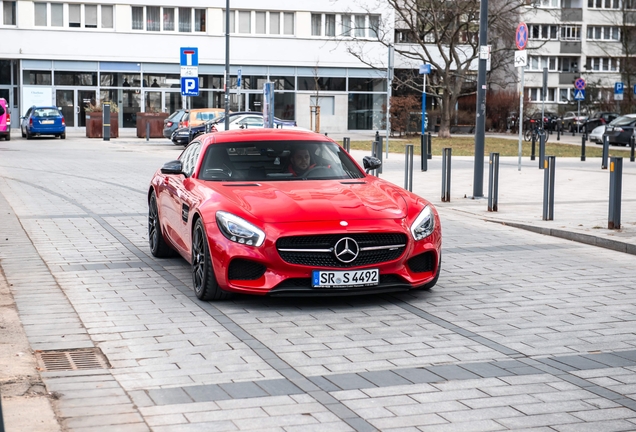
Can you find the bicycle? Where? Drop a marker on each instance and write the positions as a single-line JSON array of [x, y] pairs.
[[535, 132]]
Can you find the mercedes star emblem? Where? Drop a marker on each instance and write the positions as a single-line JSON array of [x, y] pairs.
[[346, 250]]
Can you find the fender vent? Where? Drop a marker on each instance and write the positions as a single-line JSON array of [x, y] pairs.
[[71, 360]]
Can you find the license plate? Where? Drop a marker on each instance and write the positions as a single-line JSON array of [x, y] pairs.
[[343, 279], [48, 121]]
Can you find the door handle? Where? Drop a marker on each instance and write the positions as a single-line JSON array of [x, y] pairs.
[[77, 109]]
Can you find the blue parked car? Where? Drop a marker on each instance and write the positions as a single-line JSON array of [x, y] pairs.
[[43, 121]]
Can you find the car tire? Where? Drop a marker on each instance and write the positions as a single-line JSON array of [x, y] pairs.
[[431, 284], [205, 284], [28, 135], [8, 137], [63, 136], [158, 246]]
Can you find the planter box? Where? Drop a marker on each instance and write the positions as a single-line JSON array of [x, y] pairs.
[[155, 120], [94, 125]]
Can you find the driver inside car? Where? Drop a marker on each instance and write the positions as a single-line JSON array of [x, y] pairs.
[[300, 161]]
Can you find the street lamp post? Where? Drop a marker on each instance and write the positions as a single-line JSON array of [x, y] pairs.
[[227, 64], [478, 180]]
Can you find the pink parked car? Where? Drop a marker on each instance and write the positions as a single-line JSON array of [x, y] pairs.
[[5, 120]]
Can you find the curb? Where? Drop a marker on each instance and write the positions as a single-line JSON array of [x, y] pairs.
[[615, 245]]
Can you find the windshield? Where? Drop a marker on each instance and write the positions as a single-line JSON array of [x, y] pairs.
[[277, 161]]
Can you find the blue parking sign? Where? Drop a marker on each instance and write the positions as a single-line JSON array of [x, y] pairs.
[[190, 86], [618, 88]]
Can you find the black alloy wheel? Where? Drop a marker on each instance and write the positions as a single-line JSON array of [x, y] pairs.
[[158, 245], [205, 284]]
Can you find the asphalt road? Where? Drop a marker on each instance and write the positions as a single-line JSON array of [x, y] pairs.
[[522, 332]]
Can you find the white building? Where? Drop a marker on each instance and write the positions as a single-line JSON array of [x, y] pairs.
[[72, 53], [575, 38]]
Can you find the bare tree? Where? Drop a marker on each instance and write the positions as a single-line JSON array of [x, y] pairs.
[[443, 33]]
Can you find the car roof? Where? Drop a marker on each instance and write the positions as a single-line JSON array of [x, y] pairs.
[[264, 134]]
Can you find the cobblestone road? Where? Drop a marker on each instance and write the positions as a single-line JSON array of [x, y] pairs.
[[522, 332]]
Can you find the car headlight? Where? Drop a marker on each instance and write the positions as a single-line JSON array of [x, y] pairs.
[[239, 230], [424, 224]]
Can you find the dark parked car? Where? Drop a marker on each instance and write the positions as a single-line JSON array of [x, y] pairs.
[[43, 121], [172, 123], [620, 130], [599, 119], [549, 121], [239, 120]]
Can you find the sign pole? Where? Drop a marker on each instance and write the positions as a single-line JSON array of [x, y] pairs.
[[521, 40], [520, 119]]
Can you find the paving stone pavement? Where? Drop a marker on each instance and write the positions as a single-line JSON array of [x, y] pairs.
[[523, 331]]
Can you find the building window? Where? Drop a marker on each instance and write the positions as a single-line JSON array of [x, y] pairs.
[[36, 77], [542, 31], [603, 33], [8, 12], [365, 111], [346, 25], [537, 63], [260, 19], [185, 20], [288, 23], [360, 26], [548, 3], [107, 16], [245, 22], [374, 26], [571, 32], [57, 15], [534, 94], [152, 18], [602, 64], [199, 20], [316, 24], [41, 19], [274, 23], [603, 4], [168, 19], [90, 16], [137, 18]]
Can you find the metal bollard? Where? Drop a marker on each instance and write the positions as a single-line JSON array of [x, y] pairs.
[[632, 143], [534, 144], [446, 174], [583, 139], [548, 188], [408, 167], [374, 153], [541, 150], [346, 143], [147, 131], [1, 418], [559, 123], [106, 122], [493, 182], [380, 152], [616, 186], [423, 152], [429, 155], [605, 152]]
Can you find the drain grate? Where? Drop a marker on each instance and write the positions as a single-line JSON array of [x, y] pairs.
[[71, 360]]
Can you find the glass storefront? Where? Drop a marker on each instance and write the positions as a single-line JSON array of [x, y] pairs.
[[367, 111]]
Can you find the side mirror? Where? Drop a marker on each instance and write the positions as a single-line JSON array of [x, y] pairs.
[[172, 167], [370, 163]]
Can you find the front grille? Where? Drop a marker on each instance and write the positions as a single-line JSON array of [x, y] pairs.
[[328, 242], [421, 263], [242, 269]]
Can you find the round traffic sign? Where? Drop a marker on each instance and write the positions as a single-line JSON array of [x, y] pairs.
[[521, 37], [579, 84]]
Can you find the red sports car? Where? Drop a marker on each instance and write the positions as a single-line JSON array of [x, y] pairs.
[[285, 212]]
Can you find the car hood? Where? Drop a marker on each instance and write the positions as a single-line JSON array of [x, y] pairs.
[[316, 200]]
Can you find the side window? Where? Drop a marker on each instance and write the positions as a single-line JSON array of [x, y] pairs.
[[189, 158]]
